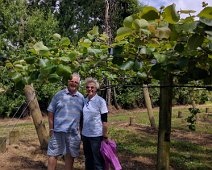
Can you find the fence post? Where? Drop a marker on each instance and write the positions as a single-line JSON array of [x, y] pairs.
[[131, 121], [14, 137], [180, 114], [3, 141]]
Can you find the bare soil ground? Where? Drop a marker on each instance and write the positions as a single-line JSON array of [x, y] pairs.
[[27, 155]]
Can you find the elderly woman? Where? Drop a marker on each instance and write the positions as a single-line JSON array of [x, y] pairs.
[[94, 128]]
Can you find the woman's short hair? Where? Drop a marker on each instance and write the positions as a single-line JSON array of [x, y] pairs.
[[92, 80]]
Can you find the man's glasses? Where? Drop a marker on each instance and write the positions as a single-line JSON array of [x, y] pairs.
[[90, 87], [74, 82]]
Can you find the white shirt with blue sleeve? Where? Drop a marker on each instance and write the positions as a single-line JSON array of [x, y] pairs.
[[92, 110]]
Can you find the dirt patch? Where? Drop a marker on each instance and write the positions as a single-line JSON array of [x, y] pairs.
[[27, 155]]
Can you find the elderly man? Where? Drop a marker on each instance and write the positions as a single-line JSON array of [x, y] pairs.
[[64, 115]]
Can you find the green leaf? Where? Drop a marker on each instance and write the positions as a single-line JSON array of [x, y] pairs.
[[123, 32], [195, 41], [43, 62], [137, 65], [149, 13], [187, 11], [209, 32], [44, 53], [49, 69], [141, 74], [86, 43], [65, 59], [33, 51], [206, 21], [65, 41], [39, 46], [128, 22], [206, 13], [34, 75], [185, 27], [72, 55], [64, 71], [163, 33], [94, 51], [53, 78], [9, 65], [140, 23], [127, 66], [170, 15], [143, 50], [19, 67], [94, 31], [145, 31], [160, 57], [157, 72], [57, 36], [30, 59], [42, 76], [16, 77]]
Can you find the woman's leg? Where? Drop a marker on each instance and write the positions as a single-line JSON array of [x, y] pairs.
[[89, 162]]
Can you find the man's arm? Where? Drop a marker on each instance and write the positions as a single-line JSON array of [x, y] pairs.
[[51, 123]]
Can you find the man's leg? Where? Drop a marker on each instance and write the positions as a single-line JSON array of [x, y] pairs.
[[69, 162], [52, 162]]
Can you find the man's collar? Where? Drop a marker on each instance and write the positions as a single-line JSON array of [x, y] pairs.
[[68, 92]]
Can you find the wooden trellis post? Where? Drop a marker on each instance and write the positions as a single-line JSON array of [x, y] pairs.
[[36, 116]]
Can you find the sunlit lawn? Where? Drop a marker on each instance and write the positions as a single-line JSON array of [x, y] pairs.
[[137, 144], [185, 153]]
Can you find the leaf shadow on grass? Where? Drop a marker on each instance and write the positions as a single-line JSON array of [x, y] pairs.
[[135, 150], [188, 155], [27, 163]]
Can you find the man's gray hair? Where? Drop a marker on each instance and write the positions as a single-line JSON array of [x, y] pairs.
[[92, 80], [75, 75]]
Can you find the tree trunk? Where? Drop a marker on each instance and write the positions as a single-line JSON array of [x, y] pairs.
[[36, 116], [107, 31], [108, 93], [163, 150], [114, 98], [149, 106]]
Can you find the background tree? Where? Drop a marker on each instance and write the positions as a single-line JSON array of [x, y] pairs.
[[76, 17], [19, 25], [176, 51]]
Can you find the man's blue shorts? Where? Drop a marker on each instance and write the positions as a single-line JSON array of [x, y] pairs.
[[62, 143]]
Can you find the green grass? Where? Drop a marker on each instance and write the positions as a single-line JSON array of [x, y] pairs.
[[137, 144], [184, 153]]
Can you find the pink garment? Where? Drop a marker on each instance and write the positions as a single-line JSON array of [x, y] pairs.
[[108, 151]]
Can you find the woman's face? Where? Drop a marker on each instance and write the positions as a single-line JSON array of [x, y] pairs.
[[91, 89]]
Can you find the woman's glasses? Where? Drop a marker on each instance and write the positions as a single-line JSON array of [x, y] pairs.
[[90, 87]]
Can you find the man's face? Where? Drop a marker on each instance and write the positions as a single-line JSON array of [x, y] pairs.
[[73, 84]]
